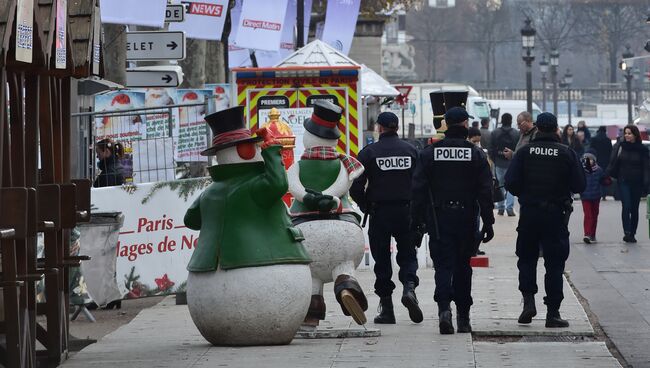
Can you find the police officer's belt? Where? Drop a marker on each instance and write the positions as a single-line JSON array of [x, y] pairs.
[[551, 206], [401, 202], [451, 204]]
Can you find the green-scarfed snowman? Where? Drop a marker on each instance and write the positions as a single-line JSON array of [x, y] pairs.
[[319, 183]]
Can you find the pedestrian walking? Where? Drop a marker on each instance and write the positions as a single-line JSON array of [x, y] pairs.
[[389, 166], [590, 197], [474, 136], [582, 127], [544, 174], [502, 143], [629, 165], [452, 184], [601, 145], [570, 139], [485, 133], [527, 129]]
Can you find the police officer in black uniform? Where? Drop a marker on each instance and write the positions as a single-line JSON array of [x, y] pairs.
[[389, 165], [544, 174], [452, 184]]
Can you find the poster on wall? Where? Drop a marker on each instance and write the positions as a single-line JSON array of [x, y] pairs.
[[160, 122], [119, 128], [260, 24], [203, 19], [238, 57], [142, 12], [25, 30], [220, 99], [192, 131], [340, 23], [295, 117], [154, 246], [60, 43]]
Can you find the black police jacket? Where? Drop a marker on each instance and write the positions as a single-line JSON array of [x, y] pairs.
[[389, 165], [453, 170], [545, 171]]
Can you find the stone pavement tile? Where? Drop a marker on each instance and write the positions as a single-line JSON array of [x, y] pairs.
[[544, 354], [162, 336], [498, 302]]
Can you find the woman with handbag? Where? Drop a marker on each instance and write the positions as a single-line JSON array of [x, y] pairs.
[[629, 165]]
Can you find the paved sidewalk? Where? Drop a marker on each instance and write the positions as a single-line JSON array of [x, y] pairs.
[[164, 335]]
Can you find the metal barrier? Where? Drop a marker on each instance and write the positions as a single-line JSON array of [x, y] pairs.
[[589, 95], [161, 143]]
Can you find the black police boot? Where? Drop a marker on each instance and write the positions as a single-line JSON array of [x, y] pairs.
[[553, 318], [410, 301], [462, 320], [386, 314], [529, 311], [445, 324]]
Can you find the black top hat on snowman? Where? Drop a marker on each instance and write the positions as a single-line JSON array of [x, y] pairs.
[[443, 101], [228, 129], [324, 120]]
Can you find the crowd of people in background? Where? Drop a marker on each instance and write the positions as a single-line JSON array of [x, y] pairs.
[[625, 163]]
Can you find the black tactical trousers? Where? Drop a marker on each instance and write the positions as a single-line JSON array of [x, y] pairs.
[[542, 228], [451, 254], [391, 220]]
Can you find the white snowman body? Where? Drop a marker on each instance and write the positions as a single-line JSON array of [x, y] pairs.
[[252, 305], [249, 306], [336, 247]]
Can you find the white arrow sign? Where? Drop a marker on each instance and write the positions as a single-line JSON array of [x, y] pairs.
[[152, 78], [174, 13], [155, 45]]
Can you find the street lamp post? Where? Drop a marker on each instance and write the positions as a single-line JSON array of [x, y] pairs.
[[627, 69], [528, 44], [566, 83], [555, 61], [637, 89], [543, 67]]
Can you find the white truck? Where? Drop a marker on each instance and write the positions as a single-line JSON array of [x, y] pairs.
[[418, 109]]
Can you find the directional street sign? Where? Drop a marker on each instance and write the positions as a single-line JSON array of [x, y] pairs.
[[155, 45], [174, 13], [152, 78]]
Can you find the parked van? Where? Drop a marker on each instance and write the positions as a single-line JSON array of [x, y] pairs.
[[514, 108]]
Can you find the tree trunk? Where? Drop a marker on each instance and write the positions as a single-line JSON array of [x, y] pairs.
[[194, 64], [214, 63], [494, 63], [115, 53], [487, 67]]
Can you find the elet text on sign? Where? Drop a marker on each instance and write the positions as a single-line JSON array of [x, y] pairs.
[[155, 45]]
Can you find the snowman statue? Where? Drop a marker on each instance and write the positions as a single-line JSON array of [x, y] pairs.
[[249, 280], [319, 182]]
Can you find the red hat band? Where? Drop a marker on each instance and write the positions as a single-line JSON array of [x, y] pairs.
[[322, 122], [230, 136]]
